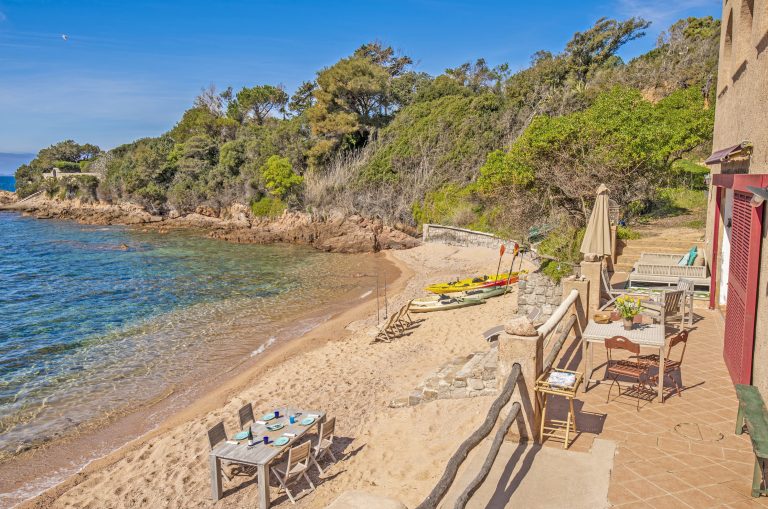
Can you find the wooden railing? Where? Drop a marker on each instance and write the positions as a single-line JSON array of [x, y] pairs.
[[557, 327], [445, 482]]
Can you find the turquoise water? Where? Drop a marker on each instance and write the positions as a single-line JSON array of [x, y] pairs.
[[97, 319], [7, 183]]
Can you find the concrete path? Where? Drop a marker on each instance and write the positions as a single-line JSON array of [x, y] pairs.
[[540, 477]]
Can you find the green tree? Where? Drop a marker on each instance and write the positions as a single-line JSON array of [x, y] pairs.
[[303, 98], [593, 48], [279, 178], [256, 103]]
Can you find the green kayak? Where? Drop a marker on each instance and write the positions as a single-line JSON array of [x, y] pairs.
[[429, 304]]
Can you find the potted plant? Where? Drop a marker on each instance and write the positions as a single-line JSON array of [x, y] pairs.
[[628, 307]]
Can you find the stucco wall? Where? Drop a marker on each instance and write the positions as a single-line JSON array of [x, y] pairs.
[[742, 115]]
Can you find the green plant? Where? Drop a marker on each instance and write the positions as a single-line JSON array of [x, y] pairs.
[[626, 233], [628, 307], [279, 178], [556, 270], [268, 207]]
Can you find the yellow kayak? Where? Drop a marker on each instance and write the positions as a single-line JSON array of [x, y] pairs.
[[474, 283]]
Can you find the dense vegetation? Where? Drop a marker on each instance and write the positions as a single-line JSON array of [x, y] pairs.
[[475, 146]]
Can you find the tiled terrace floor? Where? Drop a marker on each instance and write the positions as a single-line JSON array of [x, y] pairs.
[[683, 453]]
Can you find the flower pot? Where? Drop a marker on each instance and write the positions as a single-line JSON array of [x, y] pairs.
[[628, 323]]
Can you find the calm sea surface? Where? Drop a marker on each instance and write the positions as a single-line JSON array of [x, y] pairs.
[[7, 183], [96, 319]]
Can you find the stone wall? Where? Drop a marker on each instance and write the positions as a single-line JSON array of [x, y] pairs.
[[535, 290], [454, 236]]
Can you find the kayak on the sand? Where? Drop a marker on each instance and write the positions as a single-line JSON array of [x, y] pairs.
[[428, 304], [474, 283]]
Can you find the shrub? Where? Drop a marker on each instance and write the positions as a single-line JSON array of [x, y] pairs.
[[67, 166], [268, 207], [626, 233], [279, 178], [556, 270]]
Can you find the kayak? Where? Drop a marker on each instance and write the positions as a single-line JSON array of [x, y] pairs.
[[484, 293], [428, 304], [474, 283]]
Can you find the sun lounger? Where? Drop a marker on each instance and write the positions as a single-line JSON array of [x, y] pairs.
[[398, 323], [663, 268]]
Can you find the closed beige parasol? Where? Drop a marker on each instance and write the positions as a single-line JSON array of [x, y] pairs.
[[597, 238]]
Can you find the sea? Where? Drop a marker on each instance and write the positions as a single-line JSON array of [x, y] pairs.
[[99, 320], [7, 183]]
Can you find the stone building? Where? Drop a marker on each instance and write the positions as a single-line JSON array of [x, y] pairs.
[[736, 218]]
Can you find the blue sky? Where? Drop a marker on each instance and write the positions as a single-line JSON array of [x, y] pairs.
[[130, 68]]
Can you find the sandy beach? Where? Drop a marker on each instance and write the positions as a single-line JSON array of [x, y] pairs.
[[392, 451]]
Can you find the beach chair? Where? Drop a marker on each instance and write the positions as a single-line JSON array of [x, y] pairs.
[[324, 443], [246, 415], [405, 319], [390, 330], [295, 468], [230, 469]]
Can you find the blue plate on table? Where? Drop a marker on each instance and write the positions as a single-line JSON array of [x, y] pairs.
[[276, 426], [307, 421], [281, 441], [242, 435], [268, 417]]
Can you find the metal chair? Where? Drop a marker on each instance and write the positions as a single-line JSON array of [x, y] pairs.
[[670, 366], [631, 368]]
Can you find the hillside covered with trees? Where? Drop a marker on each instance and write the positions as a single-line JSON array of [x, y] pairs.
[[476, 146]]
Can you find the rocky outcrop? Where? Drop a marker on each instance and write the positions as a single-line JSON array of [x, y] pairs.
[[337, 233], [7, 198]]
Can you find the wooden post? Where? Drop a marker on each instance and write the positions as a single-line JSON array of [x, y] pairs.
[[521, 344]]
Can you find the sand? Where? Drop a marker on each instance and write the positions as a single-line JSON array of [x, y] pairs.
[[390, 451]]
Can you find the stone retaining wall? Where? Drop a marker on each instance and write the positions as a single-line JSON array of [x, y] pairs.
[[463, 377], [454, 236], [535, 290]]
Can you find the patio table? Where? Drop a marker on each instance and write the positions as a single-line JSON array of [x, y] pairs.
[[261, 456], [645, 335]]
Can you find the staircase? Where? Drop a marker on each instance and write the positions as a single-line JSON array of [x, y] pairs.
[[657, 239]]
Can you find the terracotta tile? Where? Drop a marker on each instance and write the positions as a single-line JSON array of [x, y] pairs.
[[739, 456], [697, 498], [723, 493], [622, 473], [646, 468], [670, 483], [709, 450], [634, 505], [618, 495], [717, 473], [664, 502], [643, 489], [672, 445]]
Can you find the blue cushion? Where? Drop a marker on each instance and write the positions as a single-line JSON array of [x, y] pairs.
[[692, 255]]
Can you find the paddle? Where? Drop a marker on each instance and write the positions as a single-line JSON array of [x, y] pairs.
[[498, 267], [515, 250]]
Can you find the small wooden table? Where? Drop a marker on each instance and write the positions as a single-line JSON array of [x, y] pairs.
[[260, 455], [645, 335]]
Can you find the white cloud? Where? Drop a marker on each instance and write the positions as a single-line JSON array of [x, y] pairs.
[[660, 12]]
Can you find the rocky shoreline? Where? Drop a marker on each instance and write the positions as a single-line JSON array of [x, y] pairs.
[[336, 233]]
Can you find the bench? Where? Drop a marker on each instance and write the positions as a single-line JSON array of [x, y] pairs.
[[753, 415]]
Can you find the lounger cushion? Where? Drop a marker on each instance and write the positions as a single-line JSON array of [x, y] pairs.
[[684, 260], [692, 255]]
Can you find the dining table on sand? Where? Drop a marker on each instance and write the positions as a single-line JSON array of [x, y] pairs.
[[645, 335], [261, 456]]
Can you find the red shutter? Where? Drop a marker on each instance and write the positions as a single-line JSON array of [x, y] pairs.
[[742, 288]]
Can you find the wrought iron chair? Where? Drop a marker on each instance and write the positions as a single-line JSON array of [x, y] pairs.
[[632, 368], [670, 365]]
